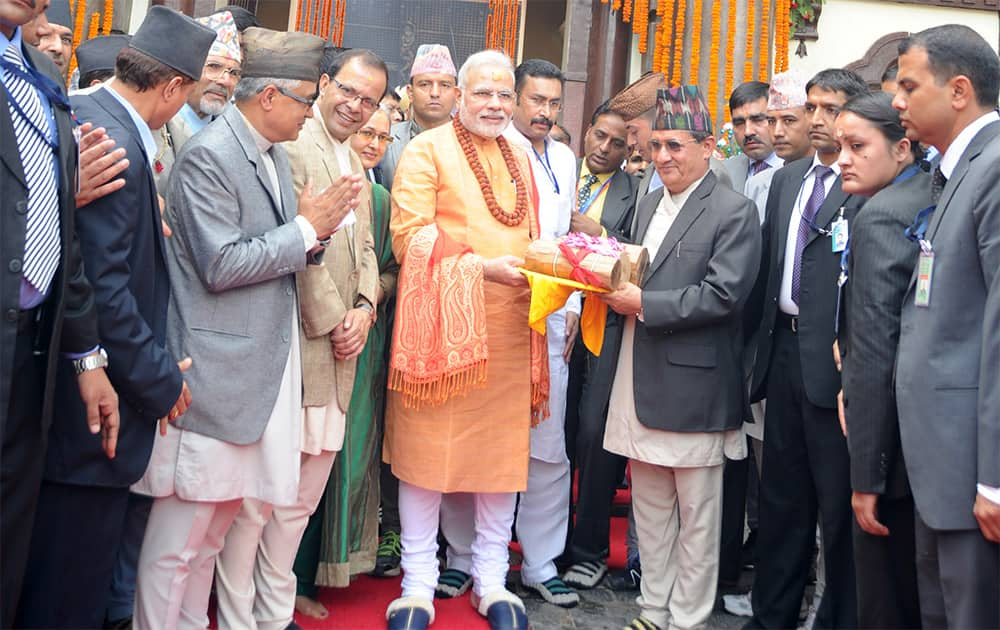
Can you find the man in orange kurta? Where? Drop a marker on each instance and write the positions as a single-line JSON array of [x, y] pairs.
[[473, 437]]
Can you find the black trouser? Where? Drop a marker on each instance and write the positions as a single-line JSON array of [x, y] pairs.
[[958, 573], [734, 500], [805, 472], [74, 548], [887, 570], [22, 461]]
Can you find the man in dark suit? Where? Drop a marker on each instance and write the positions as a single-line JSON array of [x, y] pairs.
[[805, 466], [122, 248], [605, 202], [876, 157], [678, 397], [948, 364], [46, 301]]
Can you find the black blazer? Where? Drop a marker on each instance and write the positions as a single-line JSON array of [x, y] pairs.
[[619, 203], [819, 273], [122, 245], [69, 321], [688, 353], [879, 269]]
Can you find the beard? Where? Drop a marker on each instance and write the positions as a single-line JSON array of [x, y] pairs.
[[210, 106], [481, 127]]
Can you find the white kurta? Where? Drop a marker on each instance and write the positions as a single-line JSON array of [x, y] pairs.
[[197, 467], [624, 434]]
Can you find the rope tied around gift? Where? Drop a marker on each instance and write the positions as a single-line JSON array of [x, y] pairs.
[[576, 247]]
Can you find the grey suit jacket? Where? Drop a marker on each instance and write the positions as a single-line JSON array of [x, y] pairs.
[[232, 260], [737, 167], [948, 366], [879, 268], [688, 360]]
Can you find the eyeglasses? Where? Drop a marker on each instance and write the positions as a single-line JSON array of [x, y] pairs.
[[484, 96], [214, 71], [307, 101], [367, 103], [538, 102], [672, 145], [368, 135]]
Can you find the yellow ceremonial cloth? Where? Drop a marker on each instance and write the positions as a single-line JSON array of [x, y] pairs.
[[476, 442], [549, 294]]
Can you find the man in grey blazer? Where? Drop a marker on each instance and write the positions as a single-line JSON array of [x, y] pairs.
[[948, 365], [239, 237], [748, 104], [678, 398]]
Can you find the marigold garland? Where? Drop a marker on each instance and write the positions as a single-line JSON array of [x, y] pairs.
[[730, 51], [694, 77], [627, 12], [342, 22], [782, 35], [521, 205], [664, 33], [95, 19], [765, 42], [678, 51], [616, 5], [78, 20], [640, 24], [109, 11], [713, 59], [749, 48]]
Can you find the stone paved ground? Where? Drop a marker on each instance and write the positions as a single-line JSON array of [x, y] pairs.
[[604, 609]]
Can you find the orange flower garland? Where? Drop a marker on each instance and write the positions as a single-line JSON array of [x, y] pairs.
[[109, 11], [765, 42], [730, 51], [341, 21], [627, 12], [678, 51], [694, 77], [95, 19], [616, 5], [78, 19], [640, 24], [664, 32], [713, 60], [782, 35], [748, 62]]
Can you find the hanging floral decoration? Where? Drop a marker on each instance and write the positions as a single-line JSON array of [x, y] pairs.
[[501, 25], [730, 51], [627, 11], [695, 73], [109, 11], [678, 50], [782, 35], [765, 41], [713, 58], [664, 32], [803, 13], [749, 48], [79, 16], [640, 24], [95, 20]]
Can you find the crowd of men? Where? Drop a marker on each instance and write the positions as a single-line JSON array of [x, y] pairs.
[[255, 335]]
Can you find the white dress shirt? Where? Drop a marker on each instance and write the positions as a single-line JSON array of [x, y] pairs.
[[785, 302]]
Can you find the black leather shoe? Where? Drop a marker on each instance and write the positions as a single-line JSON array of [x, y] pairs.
[[411, 618], [504, 615]]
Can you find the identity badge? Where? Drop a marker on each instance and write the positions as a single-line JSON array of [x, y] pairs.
[[839, 235], [925, 273]]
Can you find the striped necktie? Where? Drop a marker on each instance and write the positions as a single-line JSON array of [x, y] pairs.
[[32, 130], [758, 166]]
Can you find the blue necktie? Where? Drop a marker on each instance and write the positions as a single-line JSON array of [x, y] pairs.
[[32, 130], [808, 215]]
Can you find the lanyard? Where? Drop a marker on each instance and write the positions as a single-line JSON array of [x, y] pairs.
[[918, 229], [547, 166], [586, 206]]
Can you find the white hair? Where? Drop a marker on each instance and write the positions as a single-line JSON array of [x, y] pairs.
[[484, 58], [249, 87]]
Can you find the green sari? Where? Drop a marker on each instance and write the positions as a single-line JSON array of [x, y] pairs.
[[342, 536]]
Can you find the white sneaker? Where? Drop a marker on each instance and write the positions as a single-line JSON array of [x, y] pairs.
[[738, 605]]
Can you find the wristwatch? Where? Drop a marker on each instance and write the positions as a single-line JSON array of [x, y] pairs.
[[365, 306], [92, 361]]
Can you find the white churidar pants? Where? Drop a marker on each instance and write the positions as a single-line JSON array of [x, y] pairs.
[[419, 508]]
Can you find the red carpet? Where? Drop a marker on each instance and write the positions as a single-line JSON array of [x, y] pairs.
[[362, 605]]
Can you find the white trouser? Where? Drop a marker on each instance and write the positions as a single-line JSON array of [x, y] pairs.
[[542, 519], [492, 515], [255, 584], [678, 516], [177, 560]]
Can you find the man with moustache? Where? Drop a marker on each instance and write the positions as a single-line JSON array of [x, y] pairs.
[[605, 202], [122, 246], [55, 37], [239, 236], [789, 129], [949, 343], [543, 509], [432, 98], [748, 106], [805, 471], [336, 304], [208, 99], [462, 214]]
